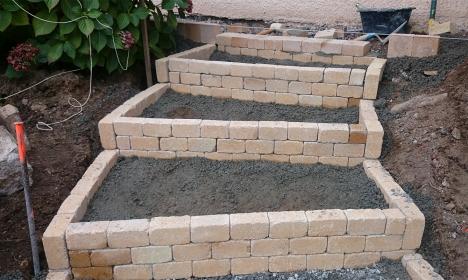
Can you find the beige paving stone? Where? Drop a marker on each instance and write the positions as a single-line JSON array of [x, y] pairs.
[[374, 142], [230, 146], [140, 272], [311, 74], [201, 144], [162, 70], [289, 73], [356, 48], [365, 221], [292, 45], [357, 77], [242, 94], [334, 102], [274, 44], [263, 71], [337, 75], [259, 146], [178, 65], [332, 46], [300, 159], [256, 43], [249, 226], [220, 68], [357, 134], [326, 59], [79, 258], [184, 154], [169, 230], [231, 249], [269, 247], [300, 87], [109, 257], [174, 77], [275, 158], [325, 261], [249, 52], [186, 127], [288, 147], [371, 83], [342, 60], [286, 98], [54, 244], [106, 133], [74, 204], [366, 60], [421, 270], [128, 233], [214, 129], [243, 130], [310, 100], [190, 79], [312, 45], [350, 91], [127, 126], [211, 80], [144, 143], [326, 222], [267, 54], [333, 133], [249, 265], [355, 161], [277, 85], [240, 42], [190, 252], [59, 275], [301, 131], [151, 254], [209, 228], [287, 224], [396, 221], [280, 55], [361, 259], [318, 149], [396, 255], [181, 88], [211, 268], [161, 154], [199, 66], [157, 127], [101, 273], [307, 245], [173, 144], [346, 244], [288, 263], [230, 82], [88, 235], [200, 90], [242, 157], [219, 156], [254, 84], [424, 46], [172, 270], [270, 130], [400, 45], [349, 150], [241, 70], [264, 96], [338, 161], [383, 242], [322, 89], [302, 57]]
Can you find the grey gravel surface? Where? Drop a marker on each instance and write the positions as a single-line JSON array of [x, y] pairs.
[[144, 188], [184, 106]]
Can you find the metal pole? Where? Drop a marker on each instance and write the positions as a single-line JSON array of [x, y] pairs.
[[20, 139], [146, 50], [432, 13]]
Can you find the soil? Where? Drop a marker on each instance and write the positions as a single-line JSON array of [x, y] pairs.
[[426, 149], [176, 105], [224, 56], [145, 188], [384, 270]]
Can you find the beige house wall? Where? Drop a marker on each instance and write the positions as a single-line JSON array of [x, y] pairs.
[[327, 11]]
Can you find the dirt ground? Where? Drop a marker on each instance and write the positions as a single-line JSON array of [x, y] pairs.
[[145, 188], [176, 105]]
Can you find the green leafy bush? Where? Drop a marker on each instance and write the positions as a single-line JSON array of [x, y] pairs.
[[67, 30]]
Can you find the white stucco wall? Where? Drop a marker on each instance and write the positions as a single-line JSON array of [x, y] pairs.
[[327, 11]]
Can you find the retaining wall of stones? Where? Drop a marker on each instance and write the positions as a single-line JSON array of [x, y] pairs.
[[295, 142], [204, 246]]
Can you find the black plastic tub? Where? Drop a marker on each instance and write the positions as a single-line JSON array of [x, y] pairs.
[[384, 21]]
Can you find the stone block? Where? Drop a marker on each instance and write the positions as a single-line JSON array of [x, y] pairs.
[[241, 70], [173, 144], [273, 43], [249, 265], [127, 126], [263, 71], [355, 161], [172, 270], [396, 221], [378, 243], [424, 46], [337, 75], [210, 228], [421, 270], [249, 226], [230, 82], [292, 45], [302, 57], [371, 83], [396, 255], [350, 91], [280, 55], [157, 127], [211, 268], [186, 128], [326, 222], [249, 52], [59, 275], [75, 205], [231, 249], [333, 133], [322, 89], [400, 45], [242, 94], [178, 65], [219, 156], [183, 154], [243, 157], [254, 84], [239, 42], [199, 66], [334, 102], [325, 59], [300, 87], [275, 158], [271, 130], [79, 258], [109, 257], [307, 245], [286, 98], [243, 130], [264, 96], [346, 244], [312, 45], [277, 85], [357, 77], [231, 146], [356, 48], [325, 261], [140, 272], [101, 273], [288, 73], [211, 80], [174, 77], [144, 143], [318, 149], [342, 60], [269, 247], [220, 68], [54, 244], [288, 263], [200, 90], [349, 150], [326, 34], [161, 154], [311, 74], [202, 144], [361, 259], [287, 224], [300, 159], [357, 134], [106, 133], [259, 146], [128, 233], [332, 46], [374, 142], [89, 235], [301, 131], [267, 54], [190, 252], [214, 129], [256, 43], [288, 147], [151, 254], [337, 161], [365, 221], [310, 100], [162, 70], [180, 88]]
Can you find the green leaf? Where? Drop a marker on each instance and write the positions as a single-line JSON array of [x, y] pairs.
[[104, 4], [5, 20], [135, 32], [105, 19], [12, 73], [43, 51], [123, 20], [153, 37], [51, 4], [172, 20], [91, 4], [84, 49], [55, 52], [70, 8], [141, 12], [41, 27], [117, 41], [67, 28], [94, 14], [86, 26], [111, 63], [169, 4], [75, 39], [98, 40], [8, 5], [81, 61], [20, 18], [69, 49], [134, 20]]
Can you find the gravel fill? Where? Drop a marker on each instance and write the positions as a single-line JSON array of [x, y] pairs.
[[384, 270], [184, 106], [224, 56], [144, 188]]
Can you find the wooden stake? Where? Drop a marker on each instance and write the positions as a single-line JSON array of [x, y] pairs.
[[146, 50]]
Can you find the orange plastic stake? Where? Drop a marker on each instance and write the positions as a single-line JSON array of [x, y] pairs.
[[21, 142]]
